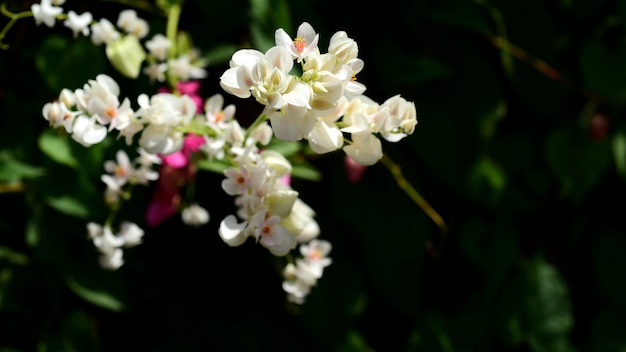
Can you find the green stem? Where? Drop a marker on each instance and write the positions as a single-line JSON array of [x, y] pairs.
[[13, 17], [171, 32], [259, 120], [402, 182]]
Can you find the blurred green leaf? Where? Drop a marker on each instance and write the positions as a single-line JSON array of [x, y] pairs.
[[57, 147], [265, 17], [217, 166], [494, 248], [548, 305], [60, 60], [285, 148], [220, 55], [12, 256], [12, 169], [603, 69], [619, 152], [486, 181], [69, 205], [578, 162], [98, 295], [305, 171]]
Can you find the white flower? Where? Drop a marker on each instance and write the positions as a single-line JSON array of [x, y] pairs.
[[304, 44], [271, 234], [59, 115], [119, 172], [155, 71], [325, 136], [113, 260], [215, 111], [291, 123], [365, 149], [87, 132], [182, 68], [161, 139], [195, 215], [78, 23], [277, 162], [402, 118], [103, 32], [158, 46], [45, 13], [130, 233], [301, 222], [233, 232], [316, 251], [105, 240], [130, 23]]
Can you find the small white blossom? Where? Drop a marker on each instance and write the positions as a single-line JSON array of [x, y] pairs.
[[158, 46], [45, 13], [195, 215], [78, 23], [103, 32], [130, 23]]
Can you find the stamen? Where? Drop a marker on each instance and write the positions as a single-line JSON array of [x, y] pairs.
[[111, 112], [300, 43]]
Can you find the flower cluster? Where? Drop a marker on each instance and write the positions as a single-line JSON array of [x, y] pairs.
[[302, 275], [122, 42], [322, 103], [110, 245], [306, 96]]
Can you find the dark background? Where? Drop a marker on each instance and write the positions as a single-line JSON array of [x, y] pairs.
[[520, 147]]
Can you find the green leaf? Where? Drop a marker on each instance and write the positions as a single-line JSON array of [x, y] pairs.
[[287, 149], [548, 308], [95, 296], [305, 171], [603, 70], [220, 54], [57, 147], [619, 152], [68, 205], [13, 170], [578, 162], [486, 181], [61, 61], [217, 166]]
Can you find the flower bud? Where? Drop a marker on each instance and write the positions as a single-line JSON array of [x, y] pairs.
[[276, 161], [126, 54]]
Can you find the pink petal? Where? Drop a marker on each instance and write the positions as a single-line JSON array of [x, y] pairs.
[[193, 142], [175, 160]]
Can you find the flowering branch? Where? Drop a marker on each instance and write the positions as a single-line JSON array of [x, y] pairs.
[[320, 103]]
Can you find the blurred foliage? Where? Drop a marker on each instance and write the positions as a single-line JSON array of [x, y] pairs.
[[520, 147]]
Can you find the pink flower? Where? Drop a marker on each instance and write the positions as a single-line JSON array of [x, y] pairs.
[[182, 157], [166, 198], [176, 170]]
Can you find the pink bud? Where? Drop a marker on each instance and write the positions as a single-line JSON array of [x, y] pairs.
[[354, 170], [599, 126]]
